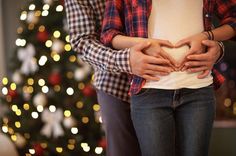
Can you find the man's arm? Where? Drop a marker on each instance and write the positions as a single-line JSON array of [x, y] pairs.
[[83, 36]]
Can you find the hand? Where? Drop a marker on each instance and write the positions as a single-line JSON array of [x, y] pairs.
[[147, 66], [195, 44], [204, 62], [155, 49]]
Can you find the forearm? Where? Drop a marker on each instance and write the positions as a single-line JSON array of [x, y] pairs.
[[122, 42], [223, 33]]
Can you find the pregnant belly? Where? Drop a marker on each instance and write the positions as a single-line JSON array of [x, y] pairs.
[[177, 54]]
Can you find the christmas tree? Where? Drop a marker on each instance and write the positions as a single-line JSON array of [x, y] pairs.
[[48, 105]]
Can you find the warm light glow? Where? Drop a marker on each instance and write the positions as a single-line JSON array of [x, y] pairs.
[[74, 130], [17, 124], [96, 107], [18, 112], [59, 149], [56, 57], [4, 81], [45, 89], [70, 91], [4, 129], [20, 30], [59, 8], [48, 43], [35, 115], [14, 108], [42, 28], [98, 150], [13, 86], [68, 38], [57, 88], [20, 42], [23, 16], [37, 13], [56, 34], [31, 7], [69, 75], [52, 108], [72, 58], [45, 13], [42, 61], [4, 91], [79, 104], [30, 81], [31, 151], [31, 26], [13, 137], [46, 7], [41, 82], [44, 145], [67, 113], [26, 106], [40, 108], [85, 147], [70, 147], [227, 102], [81, 86], [85, 120], [67, 47]]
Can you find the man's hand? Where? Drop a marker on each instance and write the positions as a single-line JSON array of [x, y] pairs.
[[148, 66], [204, 62]]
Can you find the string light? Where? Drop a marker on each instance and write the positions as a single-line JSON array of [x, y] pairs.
[[45, 13], [67, 38], [40, 108], [67, 47], [14, 138], [56, 34], [52, 108], [35, 115], [59, 8], [46, 7], [57, 88], [85, 147], [74, 130], [14, 108], [18, 112], [56, 57], [37, 13], [71, 147], [20, 30], [30, 81], [31, 26], [17, 124], [70, 91], [5, 129], [31, 151], [67, 113], [45, 89], [42, 61], [79, 104], [31, 7], [96, 107], [4, 91], [59, 149], [26, 106], [98, 150], [4, 81], [41, 82], [85, 120], [72, 58], [69, 75], [20, 42], [42, 28], [23, 16], [81, 86], [48, 43], [227, 102]]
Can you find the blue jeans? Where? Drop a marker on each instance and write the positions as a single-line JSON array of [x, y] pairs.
[[173, 122]]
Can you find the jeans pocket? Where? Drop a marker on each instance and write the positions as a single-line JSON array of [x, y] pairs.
[[142, 92]]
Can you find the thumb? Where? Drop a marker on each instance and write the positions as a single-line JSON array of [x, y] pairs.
[[142, 46], [208, 43]]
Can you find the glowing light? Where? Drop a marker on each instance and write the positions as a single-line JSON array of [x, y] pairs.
[[100, 119], [18, 112], [14, 108], [69, 75], [96, 107], [74, 130], [48, 43], [70, 91], [81, 86], [70, 147], [68, 38], [59, 149], [35, 115], [26, 106], [4, 91], [32, 7], [56, 34], [56, 57], [30, 81], [72, 58], [4, 81], [227, 102], [85, 147], [13, 86], [45, 13], [13, 137], [31, 151], [79, 104], [41, 82], [42, 61], [57, 88], [67, 47], [17, 124], [40, 108], [23, 16], [42, 28], [4, 129], [67, 113], [52, 108], [59, 8], [85, 120], [37, 13], [20, 42], [46, 7], [98, 150], [20, 30], [45, 89]]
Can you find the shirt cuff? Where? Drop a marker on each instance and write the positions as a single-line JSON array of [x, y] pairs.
[[122, 60]]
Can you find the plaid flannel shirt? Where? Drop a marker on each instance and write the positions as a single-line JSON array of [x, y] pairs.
[[111, 67], [130, 17]]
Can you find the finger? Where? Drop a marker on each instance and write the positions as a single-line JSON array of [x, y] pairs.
[[158, 68], [157, 61], [209, 43], [198, 57], [166, 43], [198, 69], [151, 77], [183, 68], [181, 43], [153, 72], [204, 74], [173, 62], [142, 46], [190, 64]]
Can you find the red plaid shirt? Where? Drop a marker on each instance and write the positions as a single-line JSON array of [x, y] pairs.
[[130, 17]]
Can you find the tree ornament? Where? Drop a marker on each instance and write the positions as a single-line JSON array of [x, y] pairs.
[[102, 143], [31, 18], [42, 36], [38, 150], [58, 46], [40, 99], [52, 122], [12, 93], [89, 91], [26, 56], [54, 78]]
